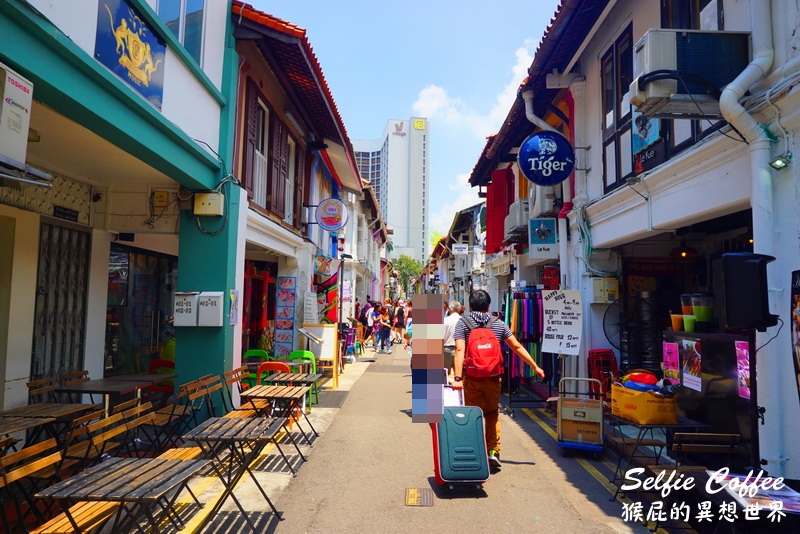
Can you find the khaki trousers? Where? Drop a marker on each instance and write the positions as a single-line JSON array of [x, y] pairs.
[[485, 394]]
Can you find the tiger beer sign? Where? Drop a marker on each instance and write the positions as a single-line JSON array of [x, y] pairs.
[[546, 158]]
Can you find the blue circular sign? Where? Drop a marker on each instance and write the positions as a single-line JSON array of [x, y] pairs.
[[546, 158]]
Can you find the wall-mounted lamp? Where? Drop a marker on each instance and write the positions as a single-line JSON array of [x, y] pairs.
[[315, 146], [781, 161], [683, 251]]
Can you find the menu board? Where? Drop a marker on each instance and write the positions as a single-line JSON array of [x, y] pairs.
[[563, 321]]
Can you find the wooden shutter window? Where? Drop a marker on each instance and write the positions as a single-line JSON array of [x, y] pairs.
[[278, 163], [251, 136], [300, 181]]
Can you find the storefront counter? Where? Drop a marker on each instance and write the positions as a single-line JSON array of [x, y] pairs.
[[715, 373]]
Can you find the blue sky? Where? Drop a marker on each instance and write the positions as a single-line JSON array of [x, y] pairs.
[[457, 63]]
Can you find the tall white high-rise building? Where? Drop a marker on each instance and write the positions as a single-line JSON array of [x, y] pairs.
[[397, 165]]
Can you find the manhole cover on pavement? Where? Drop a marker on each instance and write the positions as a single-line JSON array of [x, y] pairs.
[[419, 497]]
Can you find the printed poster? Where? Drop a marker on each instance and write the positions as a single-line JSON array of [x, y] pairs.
[[743, 368], [284, 316], [691, 364], [671, 362]]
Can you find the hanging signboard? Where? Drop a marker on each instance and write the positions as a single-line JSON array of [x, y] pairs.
[[126, 44], [331, 214], [460, 249], [563, 321], [546, 158], [542, 239]]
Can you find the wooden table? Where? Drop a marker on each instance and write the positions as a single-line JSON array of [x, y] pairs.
[[303, 379], [107, 387], [12, 425], [137, 484], [243, 440], [153, 378], [52, 413], [287, 399]]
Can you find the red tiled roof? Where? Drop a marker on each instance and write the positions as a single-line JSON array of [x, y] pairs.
[[295, 58]]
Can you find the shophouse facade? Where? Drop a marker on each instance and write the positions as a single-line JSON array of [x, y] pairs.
[[667, 179], [90, 264], [192, 174]]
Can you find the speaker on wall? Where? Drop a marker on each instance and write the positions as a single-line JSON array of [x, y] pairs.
[[744, 282]]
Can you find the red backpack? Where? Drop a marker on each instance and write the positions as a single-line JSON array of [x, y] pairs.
[[483, 356]]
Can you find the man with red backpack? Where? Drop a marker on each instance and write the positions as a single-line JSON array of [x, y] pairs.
[[478, 365]]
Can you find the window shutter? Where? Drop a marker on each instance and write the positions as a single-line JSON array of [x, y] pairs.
[[277, 162], [251, 124], [300, 182], [497, 209]]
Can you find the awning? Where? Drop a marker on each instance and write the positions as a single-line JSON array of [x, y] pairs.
[[341, 166]]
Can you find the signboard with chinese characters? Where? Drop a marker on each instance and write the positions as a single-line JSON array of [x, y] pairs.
[[542, 239], [130, 49], [563, 321]]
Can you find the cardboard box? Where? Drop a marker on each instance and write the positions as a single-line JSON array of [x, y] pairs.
[[643, 407], [580, 420]]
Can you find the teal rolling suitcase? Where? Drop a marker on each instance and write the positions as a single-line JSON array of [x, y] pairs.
[[459, 447]]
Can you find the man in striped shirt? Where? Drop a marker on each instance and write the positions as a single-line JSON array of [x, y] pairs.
[[485, 392]]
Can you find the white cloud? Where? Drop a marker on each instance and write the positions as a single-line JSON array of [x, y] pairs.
[[452, 119], [467, 196]]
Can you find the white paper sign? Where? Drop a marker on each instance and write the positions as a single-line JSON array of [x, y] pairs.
[[563, 321], [310, 308], [460, 249]]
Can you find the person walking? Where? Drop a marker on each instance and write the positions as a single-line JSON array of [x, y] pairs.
[[385, 330], [376, 325], [449, 332], [484, 391], [366, 319], [399, 322]]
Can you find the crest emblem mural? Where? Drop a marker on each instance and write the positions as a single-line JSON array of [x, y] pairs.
[[127, 46]]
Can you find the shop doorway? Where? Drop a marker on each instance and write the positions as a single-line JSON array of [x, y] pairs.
[[258, 328], [141, 295], [59, 332]]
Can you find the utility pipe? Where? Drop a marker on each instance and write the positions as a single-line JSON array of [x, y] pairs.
[[762, 208]]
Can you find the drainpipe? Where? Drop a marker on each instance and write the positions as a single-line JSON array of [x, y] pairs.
[[563, 250], [767, 368], [754, 133]]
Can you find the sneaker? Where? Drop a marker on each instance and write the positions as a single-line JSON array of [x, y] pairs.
[[494, 459]]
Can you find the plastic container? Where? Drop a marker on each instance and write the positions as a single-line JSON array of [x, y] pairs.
[[688, 323], [677, 322], [686, 304], [703, 307]]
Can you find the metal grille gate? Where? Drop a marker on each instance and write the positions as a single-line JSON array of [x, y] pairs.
[[59, 331]]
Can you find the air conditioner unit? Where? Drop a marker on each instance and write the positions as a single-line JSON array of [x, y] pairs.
[[543, 201], [517, 219], [675, 69], [15, 115]]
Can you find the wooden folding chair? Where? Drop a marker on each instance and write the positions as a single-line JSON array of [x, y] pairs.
[[22, 474], [42, 390], [173, 420], [72, 378]]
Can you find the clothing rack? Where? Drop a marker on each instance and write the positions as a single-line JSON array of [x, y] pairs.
[[524, 316]]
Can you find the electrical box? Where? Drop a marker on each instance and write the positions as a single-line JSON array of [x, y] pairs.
[[210, 308], [185, 312], [209, 204], [160, 199], [604, 290]]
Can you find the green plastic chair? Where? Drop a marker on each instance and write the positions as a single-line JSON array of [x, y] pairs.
[[252, 359], [306, 357]]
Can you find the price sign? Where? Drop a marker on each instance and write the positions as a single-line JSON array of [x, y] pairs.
[[563, 321]]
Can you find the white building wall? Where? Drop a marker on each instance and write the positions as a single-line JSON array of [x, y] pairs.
[[706, 181]]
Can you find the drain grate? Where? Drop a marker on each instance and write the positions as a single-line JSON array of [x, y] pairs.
[[419, 497]]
